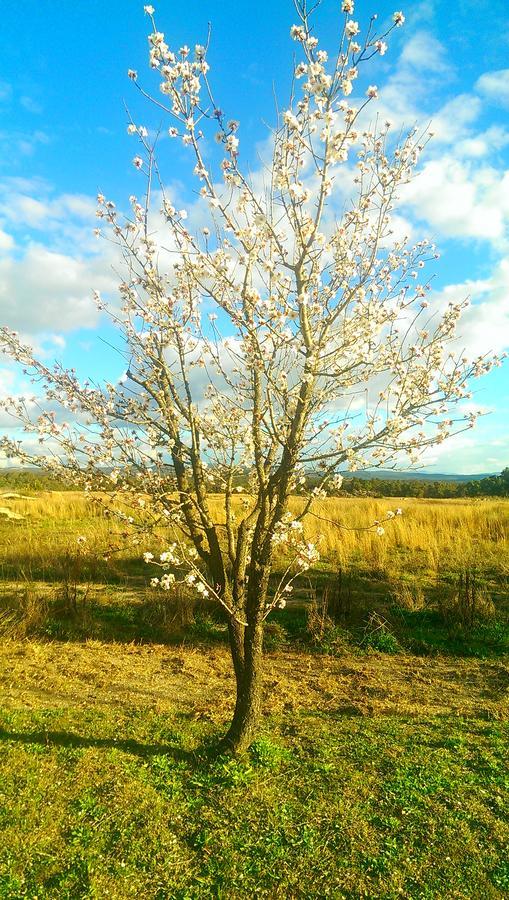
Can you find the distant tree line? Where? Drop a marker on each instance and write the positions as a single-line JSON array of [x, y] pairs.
[[31, 480], [493, 486]]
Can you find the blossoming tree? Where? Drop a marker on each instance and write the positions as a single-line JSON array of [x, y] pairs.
[[290, 335]]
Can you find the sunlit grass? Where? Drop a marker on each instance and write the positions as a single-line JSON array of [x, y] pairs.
[[373, 775], [432, 537], [128, 804]]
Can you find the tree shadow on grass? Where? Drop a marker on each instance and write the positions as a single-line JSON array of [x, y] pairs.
[[209, 757], [57, 567], [80, 742]]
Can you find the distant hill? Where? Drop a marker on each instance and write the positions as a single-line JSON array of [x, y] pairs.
[[393, 475], [368, 474]]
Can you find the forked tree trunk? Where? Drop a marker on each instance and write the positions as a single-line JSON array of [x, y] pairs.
[[248, 705]]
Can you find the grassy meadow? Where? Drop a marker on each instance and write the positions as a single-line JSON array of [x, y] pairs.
[[412, 579], [431, 536], [381, 770]]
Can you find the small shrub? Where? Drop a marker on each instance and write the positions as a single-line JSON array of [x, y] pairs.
[[408, 597], [337, 597], [318, 618], [378, 636], [465, 604], [206, 629], [75, 580], [322, 630], [268, 755], [274, 636], [171, 612], [25, 612], [494, 634], [335, 641]]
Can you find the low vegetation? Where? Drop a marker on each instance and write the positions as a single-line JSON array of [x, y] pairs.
[[381, 767], [437, 580], [369, 778]]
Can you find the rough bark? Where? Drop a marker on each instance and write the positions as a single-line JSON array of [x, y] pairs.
[[236, 635], [248, 705]]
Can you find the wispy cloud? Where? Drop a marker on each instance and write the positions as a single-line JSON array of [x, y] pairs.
[[31, 105], [495, 86]]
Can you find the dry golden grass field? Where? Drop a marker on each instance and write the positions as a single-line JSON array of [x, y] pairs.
[[430, 536]]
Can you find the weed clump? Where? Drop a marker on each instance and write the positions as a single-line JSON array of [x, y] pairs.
[[170, 613], [326, 613], [378, 635], [464, 606], [24, 612]]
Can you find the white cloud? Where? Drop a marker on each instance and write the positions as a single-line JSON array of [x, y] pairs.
[[478, 145], [50, 262], [421, 12], [44, 290], [7, 377], [21, 143], [31, 105], [453, 120], [495, 86], [6, 241], [409, 94], [484, 326], [456, 192], [25, 203], [425, 53], [20, 209], [468, 453], [461, 199]]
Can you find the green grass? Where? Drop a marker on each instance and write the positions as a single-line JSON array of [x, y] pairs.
[[139, 614], [131, 804]]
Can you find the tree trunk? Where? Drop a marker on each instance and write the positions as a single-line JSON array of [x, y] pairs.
[[236, 634], [246, 717]]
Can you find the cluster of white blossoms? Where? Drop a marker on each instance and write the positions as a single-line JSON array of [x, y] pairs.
[[288, 535], [390, 514], [176, 557]]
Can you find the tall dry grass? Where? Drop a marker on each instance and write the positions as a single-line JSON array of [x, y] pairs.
[[432, 537]]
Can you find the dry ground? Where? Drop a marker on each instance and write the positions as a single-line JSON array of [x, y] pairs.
[[199, 681]]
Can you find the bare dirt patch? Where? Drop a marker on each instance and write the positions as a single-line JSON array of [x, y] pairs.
[[199, 681]]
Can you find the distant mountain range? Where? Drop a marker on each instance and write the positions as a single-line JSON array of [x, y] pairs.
[[393, 475], [367, 474]]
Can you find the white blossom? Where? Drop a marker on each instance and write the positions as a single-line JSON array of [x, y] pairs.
[[352, 28]]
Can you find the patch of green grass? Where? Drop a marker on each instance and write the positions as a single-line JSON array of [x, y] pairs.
[[122, 804], [126, 614], [207, 629], [423, 631]]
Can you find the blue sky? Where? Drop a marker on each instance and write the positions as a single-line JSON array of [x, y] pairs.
[[63, 138]]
